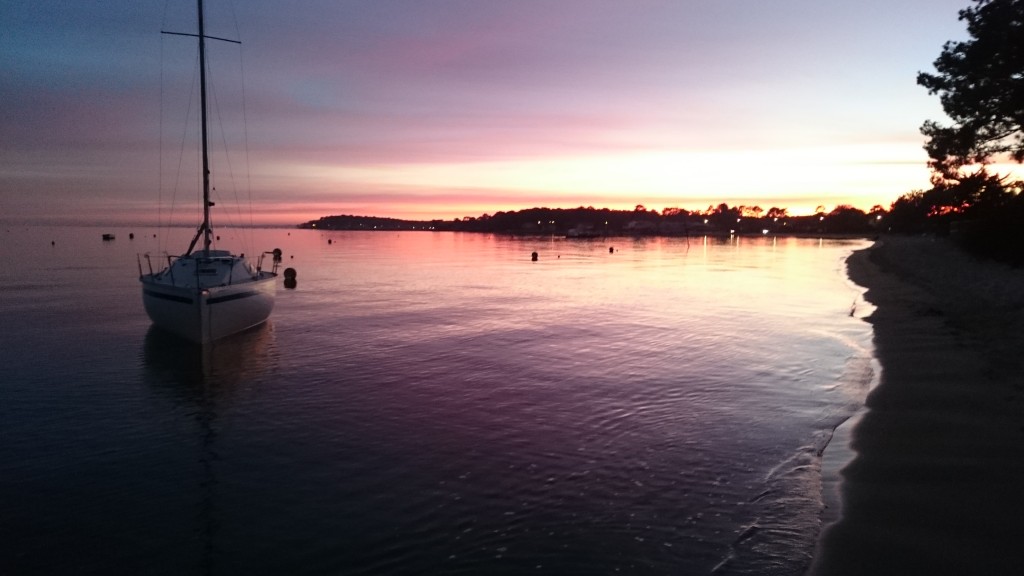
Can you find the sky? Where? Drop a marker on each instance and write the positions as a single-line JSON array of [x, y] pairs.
[[429, 109]]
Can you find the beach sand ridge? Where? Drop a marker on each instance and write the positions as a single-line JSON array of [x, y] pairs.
[[937, 482]]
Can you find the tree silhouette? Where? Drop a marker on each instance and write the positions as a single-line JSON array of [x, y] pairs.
[[751, 211], [847, 219], [980, 83]]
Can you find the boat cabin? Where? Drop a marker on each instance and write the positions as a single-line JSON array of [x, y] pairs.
[[206, 270]]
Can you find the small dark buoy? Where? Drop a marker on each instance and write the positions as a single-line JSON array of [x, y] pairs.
[[533, 257], [53, 242], [277, 256], [289, 278], [328, 240], [131, 235], [611, 249], [218, 237]]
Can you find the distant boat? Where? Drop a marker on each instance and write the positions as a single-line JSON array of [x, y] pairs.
[[205, 295], [108, 236]]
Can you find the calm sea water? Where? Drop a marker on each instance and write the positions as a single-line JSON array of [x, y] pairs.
[[428, 403]]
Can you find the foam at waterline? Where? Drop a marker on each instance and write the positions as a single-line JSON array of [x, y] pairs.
[[818, 502], [838, 453]]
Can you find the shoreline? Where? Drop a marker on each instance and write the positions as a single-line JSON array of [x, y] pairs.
[[936, 480]]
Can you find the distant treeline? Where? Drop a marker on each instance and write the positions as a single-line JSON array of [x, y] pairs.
[[978, 82], [591, 222]]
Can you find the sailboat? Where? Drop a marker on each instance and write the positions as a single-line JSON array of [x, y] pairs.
[[207, 294]]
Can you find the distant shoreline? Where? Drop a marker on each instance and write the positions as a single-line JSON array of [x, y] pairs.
[[726, 235], [123, 228], [592, 222]]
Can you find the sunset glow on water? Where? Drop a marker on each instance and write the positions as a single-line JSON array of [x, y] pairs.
[[432, 403]]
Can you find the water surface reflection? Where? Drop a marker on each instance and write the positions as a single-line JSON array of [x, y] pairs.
[[205, 378]]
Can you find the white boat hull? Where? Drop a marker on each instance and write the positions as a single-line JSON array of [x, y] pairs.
[[208, 314]]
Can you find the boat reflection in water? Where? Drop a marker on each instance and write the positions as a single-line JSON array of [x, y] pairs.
[[206, 369], [204, 379]]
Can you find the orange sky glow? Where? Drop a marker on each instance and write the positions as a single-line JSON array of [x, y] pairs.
[[418, 110]]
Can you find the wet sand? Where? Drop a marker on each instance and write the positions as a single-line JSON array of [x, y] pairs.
[[936, 485]]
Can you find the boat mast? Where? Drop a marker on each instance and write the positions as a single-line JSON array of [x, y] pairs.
[[204, 228], [206, 157]]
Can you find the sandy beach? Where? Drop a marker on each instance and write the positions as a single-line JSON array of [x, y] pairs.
[[936, 485]]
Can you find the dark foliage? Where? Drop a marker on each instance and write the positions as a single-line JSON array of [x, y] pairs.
[[998, 237], [596, 222], [980, 83], [984, 211], [847, 219]]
